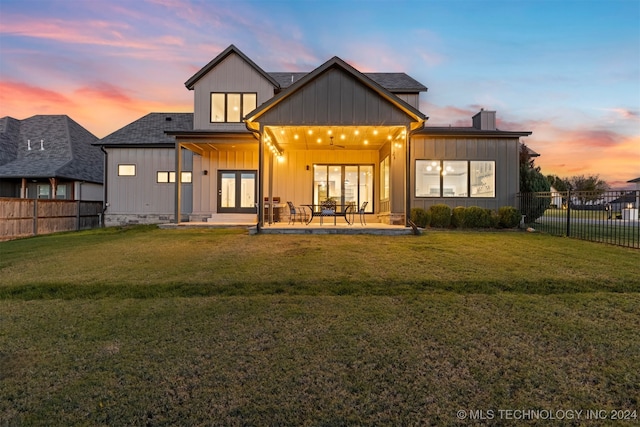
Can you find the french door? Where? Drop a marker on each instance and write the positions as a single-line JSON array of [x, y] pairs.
[[237, 191]]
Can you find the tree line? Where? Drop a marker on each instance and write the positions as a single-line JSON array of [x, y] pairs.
[[533, 180]]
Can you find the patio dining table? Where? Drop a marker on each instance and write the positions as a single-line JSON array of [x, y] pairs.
[[336, 210]]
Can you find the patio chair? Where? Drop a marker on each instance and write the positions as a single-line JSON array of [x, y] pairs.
[[296, 212], [361, 213], [328, 208]]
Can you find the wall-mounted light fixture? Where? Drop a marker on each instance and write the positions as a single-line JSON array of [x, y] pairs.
[[205, 172]]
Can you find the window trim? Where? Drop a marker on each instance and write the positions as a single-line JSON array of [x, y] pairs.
[[226, 105]]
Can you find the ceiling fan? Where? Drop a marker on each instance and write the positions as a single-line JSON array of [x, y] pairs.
[[332, 145]]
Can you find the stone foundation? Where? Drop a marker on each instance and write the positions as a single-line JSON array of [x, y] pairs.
[[111, 220], [392, 218]]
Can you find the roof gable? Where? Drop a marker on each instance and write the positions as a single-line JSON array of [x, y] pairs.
[[218, 59], [324, 71]]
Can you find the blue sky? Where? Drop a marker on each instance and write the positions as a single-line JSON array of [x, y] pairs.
[[567, 70]]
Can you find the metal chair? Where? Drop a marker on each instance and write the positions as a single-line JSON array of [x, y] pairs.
[[296, 212], [328, 208], [361, 213]]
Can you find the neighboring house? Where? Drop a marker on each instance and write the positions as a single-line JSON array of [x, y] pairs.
[[303, 137], [556, 198], [49, 157]]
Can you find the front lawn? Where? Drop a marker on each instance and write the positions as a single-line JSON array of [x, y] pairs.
[[215, 327]]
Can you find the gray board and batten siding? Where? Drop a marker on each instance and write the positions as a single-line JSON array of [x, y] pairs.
[[504, 150], [232, 74], [335, 98]]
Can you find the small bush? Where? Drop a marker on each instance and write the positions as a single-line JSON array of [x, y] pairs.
[[493, 218], [477, 217], [420, 217], [440, 216], [457, 216], [508, 217]]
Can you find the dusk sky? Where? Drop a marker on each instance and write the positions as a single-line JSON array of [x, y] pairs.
[[567, 70]]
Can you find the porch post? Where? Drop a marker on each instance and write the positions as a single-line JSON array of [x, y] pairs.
[[260, 179], [178, 192], [407, 179], [270, 195], [23, 189]]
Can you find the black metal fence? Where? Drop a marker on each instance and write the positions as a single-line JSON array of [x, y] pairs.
[[608, 217]]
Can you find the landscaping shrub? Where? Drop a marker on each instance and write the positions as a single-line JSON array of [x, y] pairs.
[[440, 216], [457, 216], [508, 217], [477, 217], [420, 217], [493, 218]]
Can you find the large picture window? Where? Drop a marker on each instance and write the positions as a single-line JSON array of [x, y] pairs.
[[344, 183], [455, 178], [231, 107]]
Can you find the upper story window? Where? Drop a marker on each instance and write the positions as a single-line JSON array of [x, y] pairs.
[[231, 107]]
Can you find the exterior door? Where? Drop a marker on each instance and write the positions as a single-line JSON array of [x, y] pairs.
[[237, 191]]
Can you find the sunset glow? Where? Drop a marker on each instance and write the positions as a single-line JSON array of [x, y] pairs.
[[569, 71]]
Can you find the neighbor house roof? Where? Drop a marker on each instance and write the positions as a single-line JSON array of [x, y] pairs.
[[634, 180], [48, 146], [150, 130]]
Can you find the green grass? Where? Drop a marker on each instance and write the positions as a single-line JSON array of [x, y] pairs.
[[139, 326]]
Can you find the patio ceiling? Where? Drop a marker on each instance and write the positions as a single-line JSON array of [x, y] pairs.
[[334, 137]]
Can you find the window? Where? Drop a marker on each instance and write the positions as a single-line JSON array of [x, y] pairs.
[[385, 168], [61, 191], [454, 178], [344, 183], [483, 179], [170, 176], [231, 107], [43, 191], [126, 170]]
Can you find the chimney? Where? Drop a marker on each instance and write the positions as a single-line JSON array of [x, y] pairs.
[[485, 120]]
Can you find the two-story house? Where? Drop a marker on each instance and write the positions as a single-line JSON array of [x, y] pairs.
[[333, 133]]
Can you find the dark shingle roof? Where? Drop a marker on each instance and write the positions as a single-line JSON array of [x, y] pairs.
[[469, 131], [150, 130], [393, 82], [66, 150]]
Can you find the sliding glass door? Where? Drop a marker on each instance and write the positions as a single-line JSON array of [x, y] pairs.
[[343, 183]]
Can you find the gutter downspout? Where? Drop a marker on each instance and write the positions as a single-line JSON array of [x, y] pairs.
[[105, 204]]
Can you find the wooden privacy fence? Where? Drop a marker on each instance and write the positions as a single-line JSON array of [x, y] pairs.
[[30, 217]]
